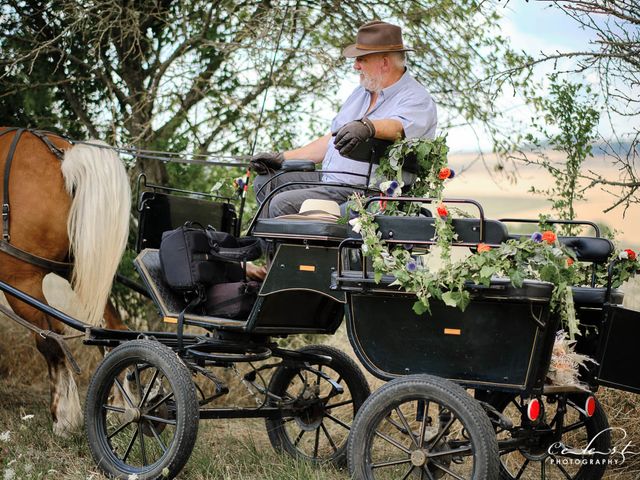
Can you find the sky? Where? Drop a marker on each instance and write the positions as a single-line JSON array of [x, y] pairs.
[[536, 28]]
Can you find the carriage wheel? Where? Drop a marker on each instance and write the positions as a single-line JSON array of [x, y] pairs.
[[141, 414], [422, 427], [319, 430], [543, 457]]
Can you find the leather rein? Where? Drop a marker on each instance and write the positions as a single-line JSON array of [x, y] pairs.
[[62, 268]]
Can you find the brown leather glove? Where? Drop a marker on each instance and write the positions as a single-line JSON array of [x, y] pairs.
[[352, 133], [262, 162]]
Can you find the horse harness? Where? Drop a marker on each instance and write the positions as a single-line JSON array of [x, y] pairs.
[[62, 268]]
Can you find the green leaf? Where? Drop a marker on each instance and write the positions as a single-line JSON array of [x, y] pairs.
[[420, 308], [450, 299]]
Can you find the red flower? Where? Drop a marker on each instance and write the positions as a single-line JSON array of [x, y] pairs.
[[569, 261], [549, 237], [445, 172], [442, 210], [483, 247], [631, 254]]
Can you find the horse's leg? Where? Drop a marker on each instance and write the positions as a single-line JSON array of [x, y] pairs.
[[65, 403], [112, 317]]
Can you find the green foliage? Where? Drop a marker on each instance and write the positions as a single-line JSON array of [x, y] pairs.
[[569, 111], [190, 75]]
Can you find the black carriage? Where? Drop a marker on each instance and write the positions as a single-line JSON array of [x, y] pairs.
[[143, 405]]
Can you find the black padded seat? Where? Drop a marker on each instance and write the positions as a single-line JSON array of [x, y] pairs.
[[418, 229], [300, 229], [587, 249], [587, 296]]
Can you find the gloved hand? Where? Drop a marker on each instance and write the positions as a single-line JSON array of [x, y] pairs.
[[262, 162], [352, 133]]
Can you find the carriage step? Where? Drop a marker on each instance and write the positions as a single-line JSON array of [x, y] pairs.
[[553, 389]]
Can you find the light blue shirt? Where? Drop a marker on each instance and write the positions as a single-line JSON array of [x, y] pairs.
[[406, 100]]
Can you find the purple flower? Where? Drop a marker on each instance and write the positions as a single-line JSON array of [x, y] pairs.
[[411, 266], [536, 237], [452, 174], [390, 191], [393, 185], [408, 246]]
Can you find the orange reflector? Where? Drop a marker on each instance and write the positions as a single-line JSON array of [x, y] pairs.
[[533, 409], [452, 331], [307, 268], [169, 320], [590, 406]]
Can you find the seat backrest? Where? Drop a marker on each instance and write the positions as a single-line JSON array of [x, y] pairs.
[[160, 212], [422, 229], [587, 249]]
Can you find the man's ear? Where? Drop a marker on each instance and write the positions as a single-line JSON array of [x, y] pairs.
[[386, 63]]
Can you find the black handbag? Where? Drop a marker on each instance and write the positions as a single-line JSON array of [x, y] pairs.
[[185, 258], [193, 257]]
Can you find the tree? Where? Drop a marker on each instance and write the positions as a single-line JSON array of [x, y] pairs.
[[614, 55], [190, 75], [569, 109]]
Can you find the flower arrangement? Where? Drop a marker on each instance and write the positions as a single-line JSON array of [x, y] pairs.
[[539, 256]]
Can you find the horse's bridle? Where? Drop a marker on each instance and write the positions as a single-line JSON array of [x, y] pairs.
[[5, 245]]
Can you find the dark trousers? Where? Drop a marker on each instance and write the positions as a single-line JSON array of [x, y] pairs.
[[289, 199]]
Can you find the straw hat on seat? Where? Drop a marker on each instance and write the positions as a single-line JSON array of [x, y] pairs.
[[316, 210]]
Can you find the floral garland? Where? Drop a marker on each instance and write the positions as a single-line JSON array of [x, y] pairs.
[[540, 257]]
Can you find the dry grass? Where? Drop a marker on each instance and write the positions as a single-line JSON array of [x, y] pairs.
[[225, 449]]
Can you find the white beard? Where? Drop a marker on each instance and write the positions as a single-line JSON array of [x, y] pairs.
[[371, 83]]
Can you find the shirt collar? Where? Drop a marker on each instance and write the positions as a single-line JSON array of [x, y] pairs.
[[394, 88]]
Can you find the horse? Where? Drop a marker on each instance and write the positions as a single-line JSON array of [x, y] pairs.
[[62, 203]]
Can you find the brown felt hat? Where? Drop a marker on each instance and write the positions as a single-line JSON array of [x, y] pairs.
[[376, 37]]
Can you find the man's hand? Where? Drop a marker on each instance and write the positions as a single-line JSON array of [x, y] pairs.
[[352, 133], [262, 162]]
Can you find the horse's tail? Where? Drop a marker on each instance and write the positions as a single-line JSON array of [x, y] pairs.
[[98, 223]]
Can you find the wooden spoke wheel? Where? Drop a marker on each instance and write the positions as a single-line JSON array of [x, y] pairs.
[[141, 414], [422, 427], [323, 399], [564, 445]]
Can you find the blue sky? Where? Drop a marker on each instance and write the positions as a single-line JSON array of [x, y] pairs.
[[537, 28]]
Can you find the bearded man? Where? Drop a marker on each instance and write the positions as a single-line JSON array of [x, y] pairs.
[[389, 104]]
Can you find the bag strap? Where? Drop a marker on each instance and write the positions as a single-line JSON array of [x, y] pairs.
[[250, 249], [197, 300]]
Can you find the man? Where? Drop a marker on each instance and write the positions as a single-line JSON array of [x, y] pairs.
[[389, 104]]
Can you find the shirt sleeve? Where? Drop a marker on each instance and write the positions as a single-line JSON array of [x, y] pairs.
[[418, 115]]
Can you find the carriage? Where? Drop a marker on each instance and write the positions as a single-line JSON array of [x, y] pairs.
[[147, 396]]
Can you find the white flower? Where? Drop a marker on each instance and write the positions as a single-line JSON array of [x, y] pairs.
[[27, 417], [9, 474], [623, 255], [364, 248], [5, 436], [356, 224]]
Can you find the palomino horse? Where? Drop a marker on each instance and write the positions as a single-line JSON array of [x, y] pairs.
[[62, 202]]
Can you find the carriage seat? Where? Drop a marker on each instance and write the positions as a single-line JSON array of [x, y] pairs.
[[300, 229], [595, 297], [423, 229], [317, 220], [587, 249]]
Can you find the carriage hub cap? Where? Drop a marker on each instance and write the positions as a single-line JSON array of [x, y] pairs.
[[418, 458], [132, 415]]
